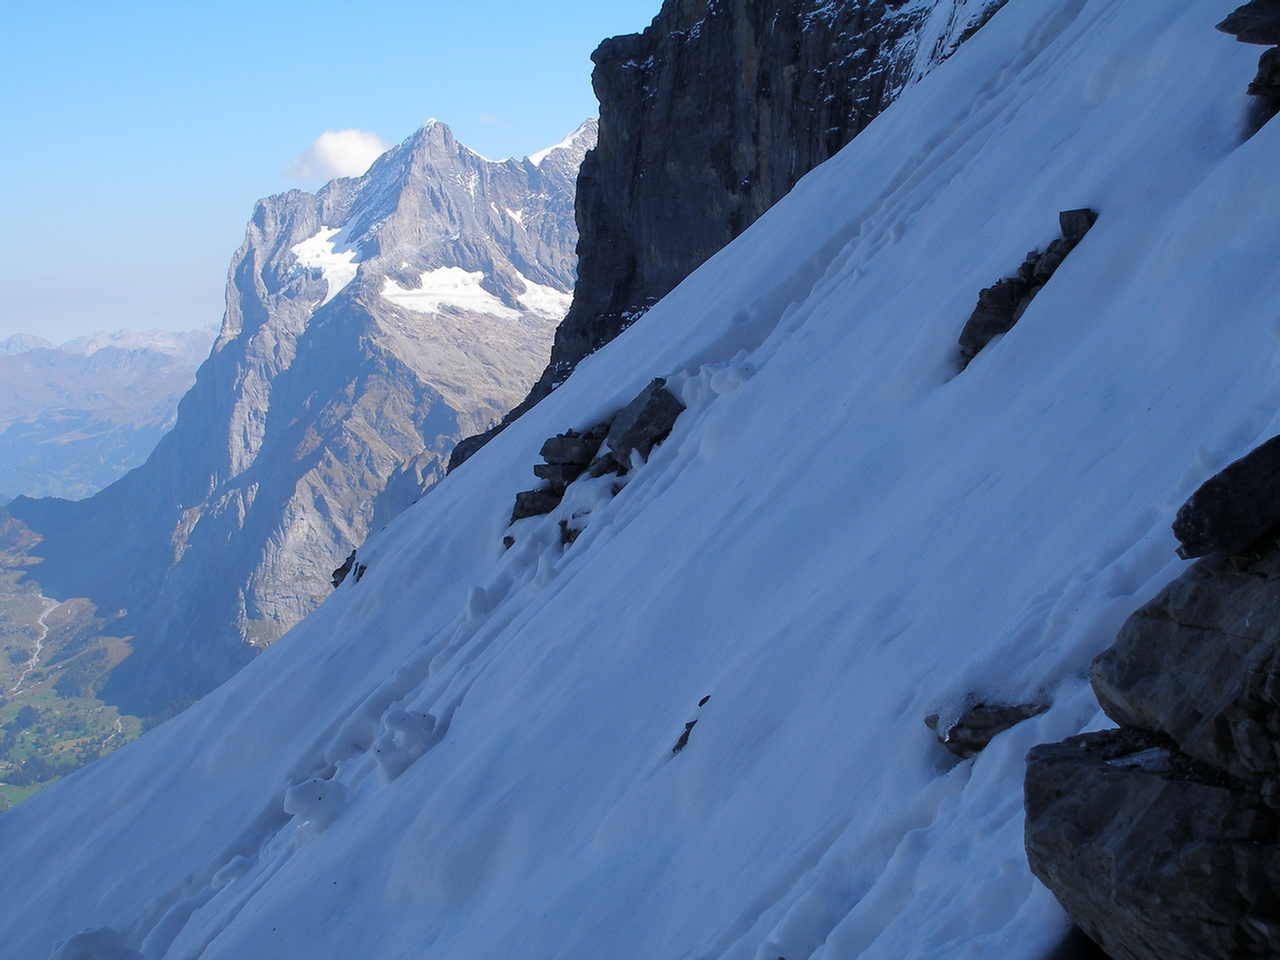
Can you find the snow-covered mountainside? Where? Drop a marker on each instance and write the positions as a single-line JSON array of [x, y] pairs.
[[707, 119], [369, 326], [75, 417], [468, 752]]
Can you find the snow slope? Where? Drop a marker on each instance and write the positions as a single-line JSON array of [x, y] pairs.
[[840, 537]]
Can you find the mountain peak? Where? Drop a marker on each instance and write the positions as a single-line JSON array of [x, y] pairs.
[[575, 145]]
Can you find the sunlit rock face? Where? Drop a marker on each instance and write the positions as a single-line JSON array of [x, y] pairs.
[[369, 326]]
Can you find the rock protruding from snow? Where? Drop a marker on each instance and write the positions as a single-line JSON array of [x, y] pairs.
[[1259, 22], [534, 503], [341, 573], [969, 734], [1234, 508], [1160, 838], [644, 422], [636, 429], [1255, 22], [1154, 855], [1001, 305], [1200, 664]]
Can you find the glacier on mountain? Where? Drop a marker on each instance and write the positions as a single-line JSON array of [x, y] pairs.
[[843, 534]]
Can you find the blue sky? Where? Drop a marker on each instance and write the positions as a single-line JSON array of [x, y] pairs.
[[136, 135]]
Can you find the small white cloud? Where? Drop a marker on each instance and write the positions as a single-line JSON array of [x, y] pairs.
[[337, 153]]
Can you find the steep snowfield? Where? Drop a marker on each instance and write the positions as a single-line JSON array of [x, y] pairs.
[[840, 537]]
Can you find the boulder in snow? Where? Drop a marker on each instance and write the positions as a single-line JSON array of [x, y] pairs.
[[1235, 508], [644, 422], [1154, 855], [978, 726], [1075, 224], [534, 503], [572, 447], [1267, 81], [1200, 663], [994, 315]]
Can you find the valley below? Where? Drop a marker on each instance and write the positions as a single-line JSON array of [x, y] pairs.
[[54, 657]]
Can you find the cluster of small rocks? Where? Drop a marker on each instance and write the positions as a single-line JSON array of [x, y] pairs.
[[349, 565], [604, 448], [1259, 22], [1002, 305], [1162, 838]]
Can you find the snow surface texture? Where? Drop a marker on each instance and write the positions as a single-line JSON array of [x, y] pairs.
[[840, 536]]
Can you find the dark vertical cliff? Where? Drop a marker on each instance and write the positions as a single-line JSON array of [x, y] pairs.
[[707, 119]]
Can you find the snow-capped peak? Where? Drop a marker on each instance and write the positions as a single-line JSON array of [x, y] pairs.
[[581, 140]]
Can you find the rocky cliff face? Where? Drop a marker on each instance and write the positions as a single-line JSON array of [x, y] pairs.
[[1162, 838], [368, 327], [707, 119]]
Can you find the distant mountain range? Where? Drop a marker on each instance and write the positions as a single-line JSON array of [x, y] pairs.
[[369, 326], [76, 417]]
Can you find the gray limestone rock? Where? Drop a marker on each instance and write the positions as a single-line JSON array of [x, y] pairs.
[[1153, 855], [1235, 507], [1201, 663], [644, 422]]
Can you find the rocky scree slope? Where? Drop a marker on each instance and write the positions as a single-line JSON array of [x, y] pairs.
[[368, 327], [468, 753], [707, 119]]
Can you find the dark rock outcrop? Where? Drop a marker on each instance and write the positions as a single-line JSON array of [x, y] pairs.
[[534, 503], [684, 737], [1001, 305], [644, 422], [707, 119], [341, 573], [1255, 22], [1234, 508], [979, 725], [640, 426], [1160, 838], [1259, 22], [1154, 855]]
